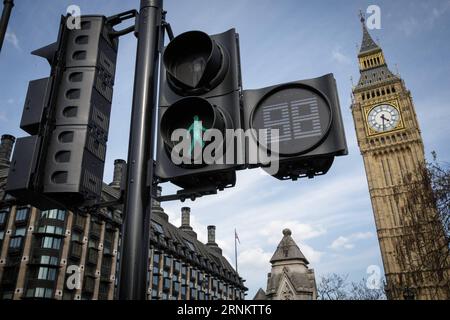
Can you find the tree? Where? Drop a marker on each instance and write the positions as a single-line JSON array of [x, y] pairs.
[[361, 291], [422, 250], [335, 287]]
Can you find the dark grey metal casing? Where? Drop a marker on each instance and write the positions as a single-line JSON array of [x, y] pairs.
[[227, 97], [74, 169], [35, 103], [318, 160]]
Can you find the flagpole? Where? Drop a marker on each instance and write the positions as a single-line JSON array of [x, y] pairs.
[[235, 250]]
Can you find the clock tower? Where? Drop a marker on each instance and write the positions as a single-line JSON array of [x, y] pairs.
[[391, 145]]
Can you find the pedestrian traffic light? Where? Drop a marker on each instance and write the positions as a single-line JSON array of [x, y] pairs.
[[200, 90], [67, 115], [308, 118]]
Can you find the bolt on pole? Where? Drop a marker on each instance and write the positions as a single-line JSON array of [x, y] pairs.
[[7, 8], [137, 205]]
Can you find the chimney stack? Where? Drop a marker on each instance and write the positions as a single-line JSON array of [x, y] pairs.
[[156, 206], [212, 240], [119, 170], [186, 222], [211, 235], [155, 203], [6, 147], [186, 218]]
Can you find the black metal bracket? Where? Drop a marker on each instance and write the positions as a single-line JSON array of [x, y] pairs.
[[167, 26], [182, 195], [119, 18], [98, 205]]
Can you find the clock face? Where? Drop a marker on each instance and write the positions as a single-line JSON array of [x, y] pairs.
[[383, 118]]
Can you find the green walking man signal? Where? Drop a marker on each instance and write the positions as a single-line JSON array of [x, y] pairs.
[[195, 130]]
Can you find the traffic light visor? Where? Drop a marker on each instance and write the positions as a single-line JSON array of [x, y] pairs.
[[194, 62]]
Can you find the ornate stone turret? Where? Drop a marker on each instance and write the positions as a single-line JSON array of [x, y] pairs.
[[290, 278]]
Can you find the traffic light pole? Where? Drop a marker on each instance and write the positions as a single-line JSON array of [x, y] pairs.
[[137, 205], [7, 8]]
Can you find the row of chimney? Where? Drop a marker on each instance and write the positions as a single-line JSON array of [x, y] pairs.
[[6, 148]]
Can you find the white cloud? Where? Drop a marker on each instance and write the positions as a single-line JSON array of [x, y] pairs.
[[254, 258], [348, 242], [272, 231], [12, 38], [339, 57], [312, 255], [429, 16], [3, 116]]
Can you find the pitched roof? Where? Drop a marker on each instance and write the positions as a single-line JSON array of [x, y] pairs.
[[367, 43], [260, 295], [288, 249]]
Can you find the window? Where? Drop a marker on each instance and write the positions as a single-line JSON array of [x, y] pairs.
[[155, 281], [166, 284], [158, 228], [76, 236], [154, 294], [93, 243], [2, 235], [89, 284], [190, 245], [79, 221], [92, 256], [8, 295], [54, 214], [3, 216], [96, 228], [106, 266], [183, 293], [108, 242], [176, 267], [103, 291], [39, 293], [193, 274], [20, 232], [51, 230], [22, 214], [76, 249], [46, 273], [175, 288], [183, 274], [193, 294], [51, 243], [47, 260], [15, 242], [167, 262]]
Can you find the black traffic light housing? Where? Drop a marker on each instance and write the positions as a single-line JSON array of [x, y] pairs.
[[308, 117], [67, 116], [200, 76]]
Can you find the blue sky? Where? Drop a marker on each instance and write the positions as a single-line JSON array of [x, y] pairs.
[[330, 216]]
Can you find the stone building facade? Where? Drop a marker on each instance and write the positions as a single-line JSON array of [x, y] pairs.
[[290, 277], [60, 254], [391, 145]]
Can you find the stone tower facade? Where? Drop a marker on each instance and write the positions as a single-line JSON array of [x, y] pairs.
[[290, 277], [390, 142]]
